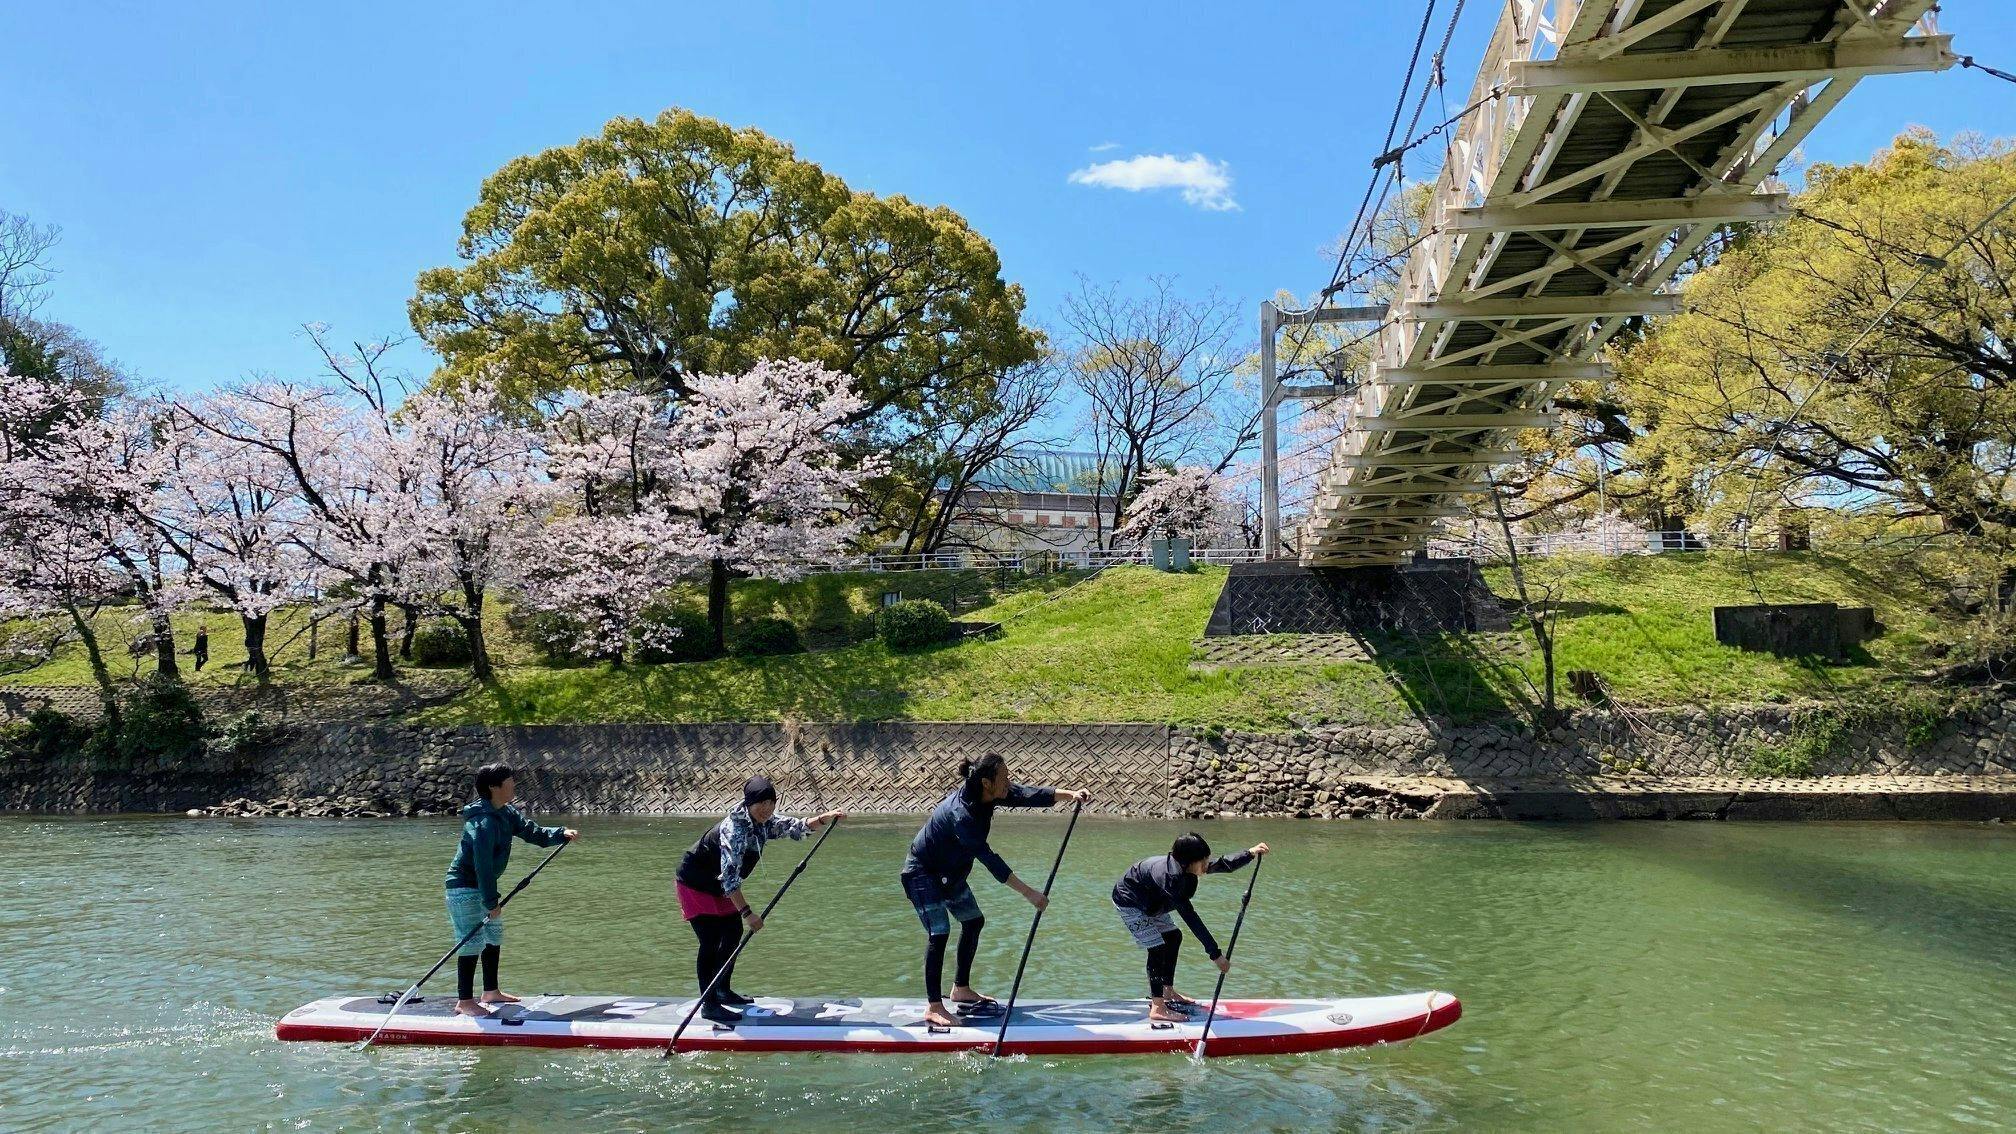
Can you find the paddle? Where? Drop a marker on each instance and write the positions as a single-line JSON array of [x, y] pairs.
[[1233, 943], [466, 938], [1015, 989], [673, 1045]]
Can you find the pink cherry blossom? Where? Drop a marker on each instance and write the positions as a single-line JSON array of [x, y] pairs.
[[1188, 501]]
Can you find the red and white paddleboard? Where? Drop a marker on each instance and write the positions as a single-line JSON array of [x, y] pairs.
[[856, 1024]]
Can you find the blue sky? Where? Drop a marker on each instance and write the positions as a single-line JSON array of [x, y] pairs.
[[223, 173]]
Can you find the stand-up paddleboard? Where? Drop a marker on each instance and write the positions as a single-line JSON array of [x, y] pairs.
[[1039, 1027]]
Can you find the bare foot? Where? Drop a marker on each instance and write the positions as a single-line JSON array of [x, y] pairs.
[[1175, 997], [966, 995], [471, 1008], [495, 997], [937, 1016], [1163, 1015]]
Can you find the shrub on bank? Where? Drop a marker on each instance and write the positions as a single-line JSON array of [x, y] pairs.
[[439, 645], [161, 723], [766, 637], [246, 735], [45, 734], [678, 634], [552, 634], [913, 624]]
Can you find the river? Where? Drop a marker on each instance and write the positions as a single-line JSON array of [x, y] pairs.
[[1708, 976]]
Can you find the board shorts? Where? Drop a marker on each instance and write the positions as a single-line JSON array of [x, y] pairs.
[[699, 903], [465, 912], [936, 907], [1147, 928]]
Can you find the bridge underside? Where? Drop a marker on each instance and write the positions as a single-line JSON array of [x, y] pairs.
[[1625, 133]]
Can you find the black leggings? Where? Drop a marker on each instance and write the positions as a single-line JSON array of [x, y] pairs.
[[718, 934], [465, 973], [1162, 963], [934, 959]]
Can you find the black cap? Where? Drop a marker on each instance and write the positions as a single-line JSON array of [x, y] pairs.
[[757, 789]]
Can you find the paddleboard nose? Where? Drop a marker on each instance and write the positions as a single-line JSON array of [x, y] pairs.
[[1443, 1010]]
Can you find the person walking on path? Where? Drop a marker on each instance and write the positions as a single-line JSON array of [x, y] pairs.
[[934, 877], [489, 823], [710, 888], [201, 650]]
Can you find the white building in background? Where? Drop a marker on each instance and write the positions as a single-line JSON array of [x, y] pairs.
[[1040, 502]]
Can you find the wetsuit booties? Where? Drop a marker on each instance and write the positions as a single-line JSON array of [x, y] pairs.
[[719, 1013]]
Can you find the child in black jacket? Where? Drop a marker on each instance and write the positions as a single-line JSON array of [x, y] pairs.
[[1154, 888]]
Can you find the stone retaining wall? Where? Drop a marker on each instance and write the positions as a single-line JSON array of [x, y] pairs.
[[1135, 769], [626, 769], [1307, 773]]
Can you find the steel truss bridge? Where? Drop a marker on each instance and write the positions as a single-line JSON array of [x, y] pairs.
[[1610, 139]]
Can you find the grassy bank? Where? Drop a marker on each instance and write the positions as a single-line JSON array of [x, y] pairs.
[[820, 605], [1646, 623], [1117, 648]]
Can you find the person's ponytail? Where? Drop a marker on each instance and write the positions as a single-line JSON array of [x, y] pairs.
[[974, 772]]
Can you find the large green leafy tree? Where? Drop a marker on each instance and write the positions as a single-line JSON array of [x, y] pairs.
[[1769, 391], [662, 249]]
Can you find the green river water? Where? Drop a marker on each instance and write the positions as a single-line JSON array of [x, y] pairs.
[[1623, 976]]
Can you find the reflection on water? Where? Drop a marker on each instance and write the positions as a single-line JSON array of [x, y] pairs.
[[1717, 976]]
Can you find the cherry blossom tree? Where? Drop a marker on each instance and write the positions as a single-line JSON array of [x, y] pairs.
[[600, 574], [325, 451], [421, 499], [52, 552], [109, 470], [468, 485], [759, 470], [744, 474], [224, 507], [615, 539], [1191, 500], [52, 565]]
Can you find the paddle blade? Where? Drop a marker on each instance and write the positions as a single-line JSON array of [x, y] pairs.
[[396, 1005]]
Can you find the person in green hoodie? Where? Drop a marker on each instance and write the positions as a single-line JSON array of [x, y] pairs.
[[489, 823]]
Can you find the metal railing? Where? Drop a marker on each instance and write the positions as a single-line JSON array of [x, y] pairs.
[[1612, 542], [977, 559], [1615, 542], [1216, 556]]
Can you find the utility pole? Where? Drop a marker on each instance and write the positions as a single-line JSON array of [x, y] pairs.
[[1270, 454], [1272, 390]]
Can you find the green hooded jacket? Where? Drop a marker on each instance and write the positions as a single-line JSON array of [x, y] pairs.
[[487, 831]]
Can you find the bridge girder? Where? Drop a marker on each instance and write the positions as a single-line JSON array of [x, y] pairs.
[[1493, 312]]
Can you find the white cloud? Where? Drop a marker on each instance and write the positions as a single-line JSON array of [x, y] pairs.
[[1204, 183], [1103, 147]]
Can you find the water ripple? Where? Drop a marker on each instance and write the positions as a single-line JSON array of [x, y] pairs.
[[1733, 977]]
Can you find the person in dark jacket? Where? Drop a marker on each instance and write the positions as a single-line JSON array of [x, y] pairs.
[[934, 877], [489, 823], [710, 887], [1147, 894]]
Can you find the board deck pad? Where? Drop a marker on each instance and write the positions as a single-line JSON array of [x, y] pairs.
[[879, 1024]]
